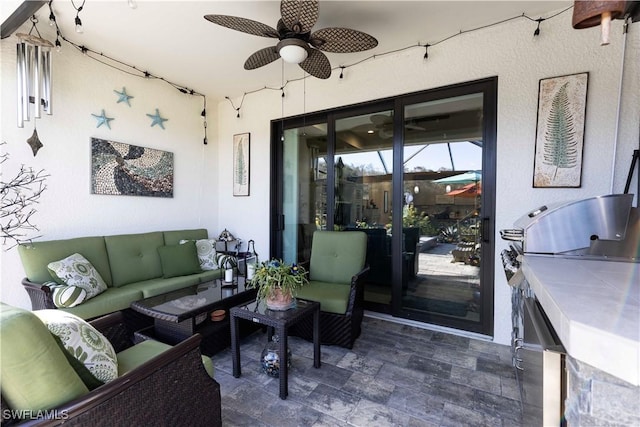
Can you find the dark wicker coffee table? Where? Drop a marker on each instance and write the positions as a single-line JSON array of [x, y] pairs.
[[280, 321], [179, 314]]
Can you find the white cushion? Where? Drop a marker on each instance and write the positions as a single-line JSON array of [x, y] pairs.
[[75, 270], [84, 342], [206, 253]]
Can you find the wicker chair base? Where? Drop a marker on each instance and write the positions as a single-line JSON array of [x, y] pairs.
[[335, 329]]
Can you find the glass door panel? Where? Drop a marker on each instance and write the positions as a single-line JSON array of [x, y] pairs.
[[442, 186], [363, 169], [304, 198]]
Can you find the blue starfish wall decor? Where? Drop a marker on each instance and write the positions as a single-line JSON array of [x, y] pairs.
[[123, 97], [103, 119], [157, 120]]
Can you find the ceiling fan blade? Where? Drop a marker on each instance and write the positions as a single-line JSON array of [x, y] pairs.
[[410, 126], [380, 119], [317, 64], [342, 40], [262, 57], [299, 15], [245, 25]]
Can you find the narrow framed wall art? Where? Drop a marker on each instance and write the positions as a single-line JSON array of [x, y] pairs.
[[241, 166], [562, 103]]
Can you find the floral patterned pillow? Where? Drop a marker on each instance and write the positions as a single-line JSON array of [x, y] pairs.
[[206, 253], [83, 341], [75, 270]]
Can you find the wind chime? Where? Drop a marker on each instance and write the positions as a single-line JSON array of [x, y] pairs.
[[33, 80]]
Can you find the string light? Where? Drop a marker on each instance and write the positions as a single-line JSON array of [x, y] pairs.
[[120, 65], [78, 21], [204, 118], [426, 46], [52, 17], [537, 31]]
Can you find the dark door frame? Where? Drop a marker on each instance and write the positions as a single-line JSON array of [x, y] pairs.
[[489, 88]]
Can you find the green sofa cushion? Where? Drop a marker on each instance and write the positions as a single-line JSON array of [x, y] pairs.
[[336, 256], [134, 257], [139, 354], [179, 260], [36, 256], [35, 373], [209, 275], [153, 287], [173, 237], [333, 297], [113, 299]]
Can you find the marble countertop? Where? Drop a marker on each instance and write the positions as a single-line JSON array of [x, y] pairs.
[[594, 306]]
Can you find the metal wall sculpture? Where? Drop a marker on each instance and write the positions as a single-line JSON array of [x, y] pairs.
[[33, 77]]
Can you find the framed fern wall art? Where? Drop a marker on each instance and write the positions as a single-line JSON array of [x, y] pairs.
[[562, 103], [241, 164]]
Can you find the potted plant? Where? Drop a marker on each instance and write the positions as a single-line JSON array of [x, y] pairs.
[[277, 282]]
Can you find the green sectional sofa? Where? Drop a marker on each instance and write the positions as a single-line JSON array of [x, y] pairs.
[[133, 266]]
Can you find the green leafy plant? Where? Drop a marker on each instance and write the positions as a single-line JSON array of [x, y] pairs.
[[416, 219], [276, 274]]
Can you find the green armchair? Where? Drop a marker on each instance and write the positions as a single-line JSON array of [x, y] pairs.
[[336, 280], [157, 384]]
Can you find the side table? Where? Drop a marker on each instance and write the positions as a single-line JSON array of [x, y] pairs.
[[280, 321]]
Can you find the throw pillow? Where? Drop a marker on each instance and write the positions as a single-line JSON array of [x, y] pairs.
[[85, 375], [75, 270], [83, 341], [206, 253], [66, 296], [179, 260]]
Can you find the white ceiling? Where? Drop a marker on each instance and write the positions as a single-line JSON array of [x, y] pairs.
[[171, 39]]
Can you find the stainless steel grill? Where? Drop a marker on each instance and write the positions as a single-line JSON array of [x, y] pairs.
[[605, 228], [576, 228]]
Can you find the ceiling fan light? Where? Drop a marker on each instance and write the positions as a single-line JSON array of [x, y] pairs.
[[292, 50]]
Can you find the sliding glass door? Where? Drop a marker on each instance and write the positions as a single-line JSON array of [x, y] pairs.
[[442, 207], [416, 174]]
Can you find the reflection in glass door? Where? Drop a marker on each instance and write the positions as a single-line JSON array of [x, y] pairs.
[[415, 173], [441, 209], [363, 197], [304, 193]]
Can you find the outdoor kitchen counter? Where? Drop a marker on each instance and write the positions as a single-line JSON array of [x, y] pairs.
[[594, 306]]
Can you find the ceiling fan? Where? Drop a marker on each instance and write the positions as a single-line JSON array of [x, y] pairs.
[[384, 125], [297, 44]]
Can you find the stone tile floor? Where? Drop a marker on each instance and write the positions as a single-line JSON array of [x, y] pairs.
[[395, 375]]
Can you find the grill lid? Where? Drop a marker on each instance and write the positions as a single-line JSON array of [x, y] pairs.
[[572, 227]]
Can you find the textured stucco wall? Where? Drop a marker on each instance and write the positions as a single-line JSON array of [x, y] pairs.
[[508, 51], [81, 87], [202, 192]]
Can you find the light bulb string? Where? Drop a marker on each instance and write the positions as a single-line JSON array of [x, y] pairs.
[[78, 9], [123, 67], [426, 46]]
